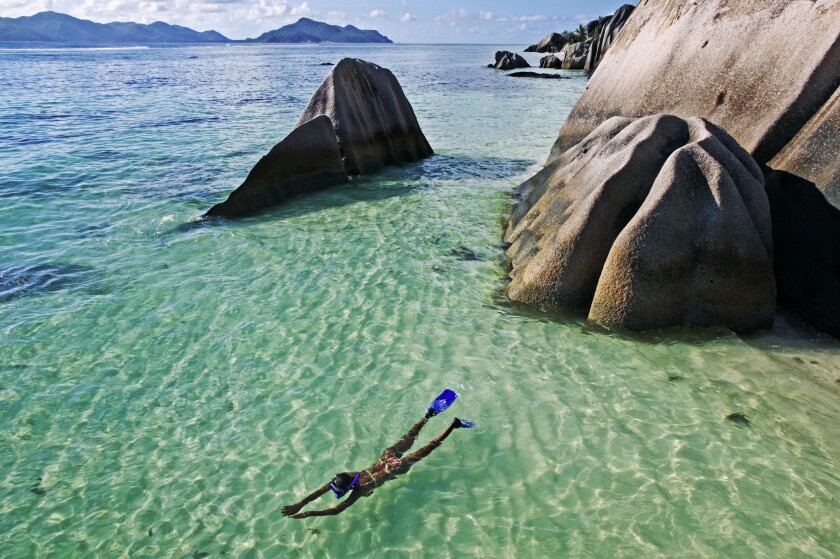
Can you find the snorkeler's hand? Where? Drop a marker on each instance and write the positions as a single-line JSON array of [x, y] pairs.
[[300, 515], [291, 510]]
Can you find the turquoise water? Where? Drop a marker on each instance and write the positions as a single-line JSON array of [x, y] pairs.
[[174, 386]]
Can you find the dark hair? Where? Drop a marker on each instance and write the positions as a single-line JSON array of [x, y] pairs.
[[342, 480]]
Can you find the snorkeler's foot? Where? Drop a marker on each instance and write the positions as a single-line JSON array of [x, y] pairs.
[[431, 413], [462, 423]]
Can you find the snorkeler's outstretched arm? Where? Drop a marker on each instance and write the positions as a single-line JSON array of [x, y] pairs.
[[354, 496], [290, 510]]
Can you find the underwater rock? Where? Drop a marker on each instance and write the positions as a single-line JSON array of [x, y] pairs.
[[37, 488], [647, 223], [21, 281], [538, 75], [738, 419], [465, 253]]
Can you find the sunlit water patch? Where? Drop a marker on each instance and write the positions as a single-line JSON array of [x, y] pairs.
[[167, 386]]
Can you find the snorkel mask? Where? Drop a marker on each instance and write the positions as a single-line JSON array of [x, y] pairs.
[[336, 484]]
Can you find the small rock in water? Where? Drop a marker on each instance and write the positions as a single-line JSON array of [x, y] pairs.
[[674, 378], [537, 75], [37, 488], [798, 359], [200, 555], [464, 253], [815, 363], [151, 532], [837, 381], [315, 530], [738, 418], [326, 64]]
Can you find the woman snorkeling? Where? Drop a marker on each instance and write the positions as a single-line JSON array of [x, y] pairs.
[[391, 464]]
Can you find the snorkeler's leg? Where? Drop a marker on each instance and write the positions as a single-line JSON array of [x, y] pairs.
[[289, 510], [414, 457], [408, 439]]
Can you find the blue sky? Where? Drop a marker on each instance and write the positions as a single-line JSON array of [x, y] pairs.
[[404, 21]]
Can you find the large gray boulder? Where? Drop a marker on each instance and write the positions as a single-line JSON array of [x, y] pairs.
[[760, 69], [374, 122], [814, 154], [306, 160], [553, 42], [574, 56], [647, 223], [357, 121], [609, 33], [506, 60], [551, 61]]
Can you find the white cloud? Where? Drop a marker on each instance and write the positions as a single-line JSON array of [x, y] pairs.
[[377, 13], [336, 17], [485, 16], [407, 17], [302, 10]]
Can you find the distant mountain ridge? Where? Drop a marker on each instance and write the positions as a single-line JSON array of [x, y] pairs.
[[55, 27], [310, 31]]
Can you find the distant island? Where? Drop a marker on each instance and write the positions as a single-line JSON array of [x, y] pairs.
[[53, 27], [309, 31]]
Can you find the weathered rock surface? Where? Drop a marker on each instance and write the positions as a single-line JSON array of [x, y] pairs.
[[553, 42], [814, 153], [374, 122], [609, 32], [806, 238], [760, 69], [574, 56], [648, 223], [357, 121], [506, 60], [308, 159], [551, 61]]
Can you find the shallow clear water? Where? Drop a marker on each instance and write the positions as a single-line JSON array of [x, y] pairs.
[[175, 386]]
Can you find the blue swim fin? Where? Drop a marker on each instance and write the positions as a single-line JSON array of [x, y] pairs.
[[465, 423], [443, 401]]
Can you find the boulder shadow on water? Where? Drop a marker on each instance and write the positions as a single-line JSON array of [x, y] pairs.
[[389, 182]]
